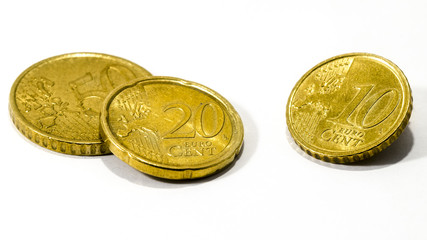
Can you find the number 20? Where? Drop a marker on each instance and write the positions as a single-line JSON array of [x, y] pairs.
[[198, 121]]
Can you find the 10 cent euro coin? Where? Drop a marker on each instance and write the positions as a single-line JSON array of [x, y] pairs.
[[56, 102], [349, 107], [171, 128]]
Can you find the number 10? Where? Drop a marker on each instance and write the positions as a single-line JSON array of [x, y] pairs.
[[368, 108]]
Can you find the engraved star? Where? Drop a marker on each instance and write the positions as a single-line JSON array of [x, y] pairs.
[[310, 89]]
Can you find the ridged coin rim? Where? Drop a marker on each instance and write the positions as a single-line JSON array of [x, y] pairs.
[[163, 170], [375, 147], [49, 141]]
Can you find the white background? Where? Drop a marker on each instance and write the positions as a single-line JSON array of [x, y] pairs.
[[252, 52]]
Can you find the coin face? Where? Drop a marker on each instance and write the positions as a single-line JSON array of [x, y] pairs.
[[56, 102], [171, 128], [349, 107]]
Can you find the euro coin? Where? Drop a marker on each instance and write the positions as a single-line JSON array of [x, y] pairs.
[[171, 128], [349, 107], [56, 103]]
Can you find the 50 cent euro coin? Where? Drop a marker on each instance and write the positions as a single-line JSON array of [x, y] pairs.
[[56, 102]]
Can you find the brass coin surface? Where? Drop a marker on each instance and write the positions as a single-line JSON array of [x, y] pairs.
[[56, 103], [171, 128], [349, 107]]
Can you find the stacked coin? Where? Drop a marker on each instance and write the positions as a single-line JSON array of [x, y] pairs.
[[94, 104], [343, 110], [349, 107]]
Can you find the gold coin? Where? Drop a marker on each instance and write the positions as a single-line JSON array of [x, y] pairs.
[[171, 128], [56, 102], [349, 107]]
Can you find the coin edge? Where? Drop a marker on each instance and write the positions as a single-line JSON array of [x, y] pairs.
[[367, 153], [159, 170], [49, 141]]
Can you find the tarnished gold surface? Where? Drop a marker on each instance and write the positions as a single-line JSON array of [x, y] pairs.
[[171, 128], [56, 102], [349, 107]]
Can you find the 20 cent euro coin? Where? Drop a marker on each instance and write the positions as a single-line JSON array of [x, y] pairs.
[[56, 102], [349, 107], [171, 128]]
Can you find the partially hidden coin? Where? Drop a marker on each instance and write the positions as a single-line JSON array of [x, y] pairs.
[[171, 128], [349, 107], [56, 102]]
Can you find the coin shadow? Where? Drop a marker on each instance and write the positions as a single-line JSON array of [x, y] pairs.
[[395, 153], [125, 171]]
